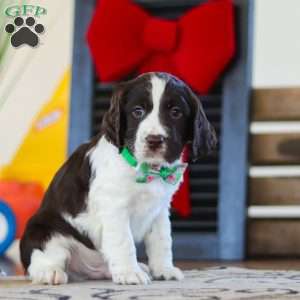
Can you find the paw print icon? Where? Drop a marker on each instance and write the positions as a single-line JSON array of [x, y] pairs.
[[24, 32]]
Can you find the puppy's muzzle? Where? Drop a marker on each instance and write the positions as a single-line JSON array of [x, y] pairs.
[[155, 141]]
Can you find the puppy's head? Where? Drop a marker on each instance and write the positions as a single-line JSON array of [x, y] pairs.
[[155, 116]]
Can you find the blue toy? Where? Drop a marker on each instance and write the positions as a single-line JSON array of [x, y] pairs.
[[7, 227]]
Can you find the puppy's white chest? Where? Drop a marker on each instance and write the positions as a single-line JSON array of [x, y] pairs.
[[115, 190], [145, 205]]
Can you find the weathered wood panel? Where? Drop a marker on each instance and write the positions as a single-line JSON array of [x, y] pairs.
[[273, 237], [274, 191], [275, 149], [276, 104]]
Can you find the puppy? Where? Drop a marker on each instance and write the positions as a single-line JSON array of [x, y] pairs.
[[116, 189]]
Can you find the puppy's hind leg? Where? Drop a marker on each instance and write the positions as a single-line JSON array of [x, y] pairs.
[[48, 266], [88, 263]]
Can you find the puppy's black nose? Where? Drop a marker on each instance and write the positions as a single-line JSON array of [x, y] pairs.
[[155, 141]]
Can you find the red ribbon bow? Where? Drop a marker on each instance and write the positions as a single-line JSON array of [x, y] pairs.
[[124, 38]]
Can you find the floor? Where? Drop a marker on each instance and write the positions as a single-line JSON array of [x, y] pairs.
[[222, 283]]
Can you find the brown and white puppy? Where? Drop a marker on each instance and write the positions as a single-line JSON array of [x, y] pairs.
[[94, 210]]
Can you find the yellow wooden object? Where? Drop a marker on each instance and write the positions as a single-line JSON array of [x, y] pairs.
[[44, 149]]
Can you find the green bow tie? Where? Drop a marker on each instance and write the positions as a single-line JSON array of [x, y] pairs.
[[146, 174]]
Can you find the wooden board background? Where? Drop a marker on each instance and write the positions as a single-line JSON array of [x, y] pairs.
[[276, 149], [273, 237], [276, 104], [274, 191]]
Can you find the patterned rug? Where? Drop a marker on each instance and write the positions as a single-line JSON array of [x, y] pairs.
[[223, 283]]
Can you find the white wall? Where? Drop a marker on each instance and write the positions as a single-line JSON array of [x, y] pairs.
[[276, 43], [29, 76]]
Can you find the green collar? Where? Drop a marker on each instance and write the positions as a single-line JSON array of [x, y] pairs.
[[146, 174], [129, 157]]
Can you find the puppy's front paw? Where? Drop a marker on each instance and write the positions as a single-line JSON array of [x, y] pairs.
[[131, 276], [52, 276], [166, 273]]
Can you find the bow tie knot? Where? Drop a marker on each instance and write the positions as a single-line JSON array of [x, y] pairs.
[[145, 173], [160, 35]]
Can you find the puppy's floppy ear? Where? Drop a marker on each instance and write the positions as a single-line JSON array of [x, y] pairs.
[[203, 136], [113, 120]]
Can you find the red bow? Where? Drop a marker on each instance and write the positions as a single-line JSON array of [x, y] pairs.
[[124, 38]]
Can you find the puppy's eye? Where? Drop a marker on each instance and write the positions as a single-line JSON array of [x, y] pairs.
[[175, 112], [138, 112]]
